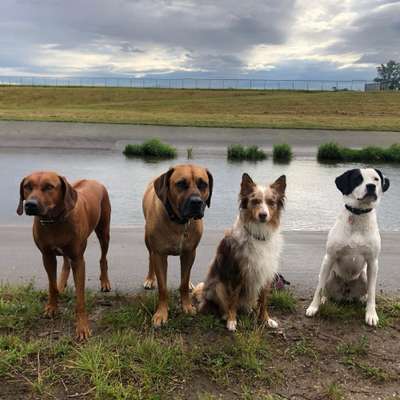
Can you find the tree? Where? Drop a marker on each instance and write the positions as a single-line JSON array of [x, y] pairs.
[[389, 75]]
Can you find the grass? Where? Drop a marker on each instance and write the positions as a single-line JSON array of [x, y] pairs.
[[208, 108], [332, 152], [237, 152], [152, 148], [192, 357], [282, 153]]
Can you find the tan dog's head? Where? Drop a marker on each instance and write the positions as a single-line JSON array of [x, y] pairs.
[[187, 188], [45, 194], [262, 204]]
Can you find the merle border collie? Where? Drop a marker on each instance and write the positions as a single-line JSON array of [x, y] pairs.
[[247, 258]]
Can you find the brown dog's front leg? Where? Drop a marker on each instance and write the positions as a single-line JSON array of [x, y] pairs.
[[82, 323], [50, 264], [66, 268], [161, 265], [187, 260], [262, 308]]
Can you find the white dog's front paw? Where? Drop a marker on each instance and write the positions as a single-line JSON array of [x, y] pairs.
[[311, 310], [272, 323], [371, 317], [231, 325]]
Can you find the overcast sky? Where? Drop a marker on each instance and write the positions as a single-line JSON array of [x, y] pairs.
[[276, 39]]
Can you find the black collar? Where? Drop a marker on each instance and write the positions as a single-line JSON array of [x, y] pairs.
[[173, 216], [358, 211]]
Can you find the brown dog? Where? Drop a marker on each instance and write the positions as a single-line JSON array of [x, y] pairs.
[[65, 216], [173, 206]]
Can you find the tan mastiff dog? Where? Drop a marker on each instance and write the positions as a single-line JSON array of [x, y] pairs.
[[173, 207]]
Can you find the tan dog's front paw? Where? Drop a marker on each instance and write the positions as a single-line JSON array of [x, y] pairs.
[[160, 317], [83, 331], [61, 287], [149, 284], [50, 310], [105, 285], [188, 308]]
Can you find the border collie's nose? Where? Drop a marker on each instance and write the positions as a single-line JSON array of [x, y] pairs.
[[371, 188], [262, 216], [32, 207]]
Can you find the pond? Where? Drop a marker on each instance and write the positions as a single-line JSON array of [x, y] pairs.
[[312, 198]]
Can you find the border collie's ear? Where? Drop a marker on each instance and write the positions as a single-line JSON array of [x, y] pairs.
[[70, 194], [161, 185], [210, 187], [384, 181], [349, 180], [246, 187], [20, 208], [280, 185]]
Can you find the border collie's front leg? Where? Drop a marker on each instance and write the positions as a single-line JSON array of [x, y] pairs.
[[323, 277], [371, 317]]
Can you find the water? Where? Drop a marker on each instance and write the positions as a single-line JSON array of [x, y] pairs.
[[312, 198]]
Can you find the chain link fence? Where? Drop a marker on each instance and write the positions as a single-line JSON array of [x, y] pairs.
[[191, 83]]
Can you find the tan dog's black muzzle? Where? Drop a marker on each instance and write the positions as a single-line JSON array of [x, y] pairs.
[[193, 207], [32, 207]]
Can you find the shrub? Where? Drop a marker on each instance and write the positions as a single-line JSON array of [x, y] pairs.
[[238, 152], [150, 148], [282, 153], [332, 152]]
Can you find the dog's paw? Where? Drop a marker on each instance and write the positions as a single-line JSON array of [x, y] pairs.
[[311, 310], [371, 318], [50, 310], [231, 325], [149, 284], [105, 285], [83, 331], [272, 323], [188, 309], [160, 318]]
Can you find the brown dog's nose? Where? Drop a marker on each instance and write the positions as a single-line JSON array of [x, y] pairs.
[[32, 207]]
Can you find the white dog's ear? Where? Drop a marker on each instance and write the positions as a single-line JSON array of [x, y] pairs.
[[348, 181], [384, 181]]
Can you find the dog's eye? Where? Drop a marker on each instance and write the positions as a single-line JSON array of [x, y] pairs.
[[271, 203], [28, 187], [48, 187], [201, 184], [182, 185], [255, 202], [376, 179]]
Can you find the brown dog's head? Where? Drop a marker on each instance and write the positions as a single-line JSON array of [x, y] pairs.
[[187, 188], [46, 194], [262, 204]]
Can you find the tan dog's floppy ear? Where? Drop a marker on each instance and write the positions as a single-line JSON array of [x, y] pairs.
[[210, 187], [70, 195], [280, 186], [246, 187], [20, 208], [161, 185]]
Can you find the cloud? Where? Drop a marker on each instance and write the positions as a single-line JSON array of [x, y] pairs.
[[265, 38]]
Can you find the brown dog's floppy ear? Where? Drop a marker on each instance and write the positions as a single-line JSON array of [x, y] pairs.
[[210, 187], [20, 208], [70, 195], [280, 187], [161, 185]]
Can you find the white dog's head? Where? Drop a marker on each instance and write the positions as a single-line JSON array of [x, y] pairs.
[[362, 188]]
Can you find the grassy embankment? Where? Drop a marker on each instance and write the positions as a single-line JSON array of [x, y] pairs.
[[334, 356], [215, 108]]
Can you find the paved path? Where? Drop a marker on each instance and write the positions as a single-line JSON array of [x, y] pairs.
[[207, 140], [303, 251]]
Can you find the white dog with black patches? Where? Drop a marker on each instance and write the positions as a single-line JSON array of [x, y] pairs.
[[350, 266]]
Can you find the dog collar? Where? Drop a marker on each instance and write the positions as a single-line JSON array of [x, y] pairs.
[[172, 215], [358, 211]]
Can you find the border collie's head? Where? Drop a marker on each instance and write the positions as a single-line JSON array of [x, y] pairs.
[[262, 204], [362, 187]]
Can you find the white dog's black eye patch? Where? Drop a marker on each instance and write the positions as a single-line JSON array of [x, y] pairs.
[[348, 181], [385, 181]]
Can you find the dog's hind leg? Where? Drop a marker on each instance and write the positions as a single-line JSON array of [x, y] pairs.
[[66, 269], [103, 234], [262, 308], [150, 281], [187, 260]]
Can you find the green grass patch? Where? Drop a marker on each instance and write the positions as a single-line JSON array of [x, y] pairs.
[[342, 311], [303, 347], [152, 148], [332, 152], [283, 300], [282, 153], [359, 347], [237, 152], [335, 392]]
